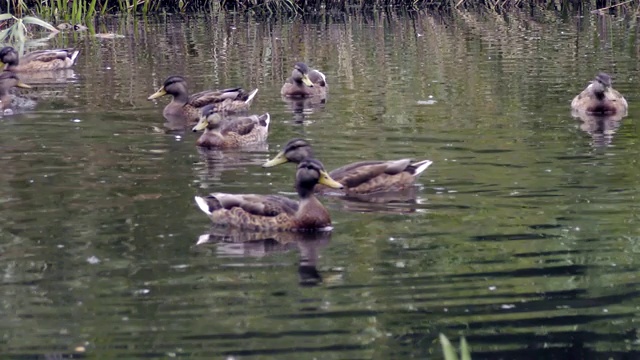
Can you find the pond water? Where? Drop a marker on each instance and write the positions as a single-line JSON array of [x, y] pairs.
[[522, 236]]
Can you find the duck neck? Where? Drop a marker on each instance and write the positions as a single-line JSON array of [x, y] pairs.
[[598, 90], [181, 97]]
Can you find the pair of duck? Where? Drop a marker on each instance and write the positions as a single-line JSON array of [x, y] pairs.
[[209, 108], [41, 60], [273, 212]]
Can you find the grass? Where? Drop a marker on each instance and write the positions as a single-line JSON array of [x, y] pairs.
[[78, 11]]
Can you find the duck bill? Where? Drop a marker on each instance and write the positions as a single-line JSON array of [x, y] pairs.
[[306, 81], [20, 84], [279, 159], [201, 125], [157, 94], [325, 179]]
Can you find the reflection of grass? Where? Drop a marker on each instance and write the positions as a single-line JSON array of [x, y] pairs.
[[450, 352]]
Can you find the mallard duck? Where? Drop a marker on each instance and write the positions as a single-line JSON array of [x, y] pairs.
[[8, 102], [599, 98], [274, 212], [231, 132], [305, 82], [40, 60], [364, 177], [227, 100]]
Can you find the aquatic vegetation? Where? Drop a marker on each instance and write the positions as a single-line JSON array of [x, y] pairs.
[[450, 352], [16, 28], [76, 10]]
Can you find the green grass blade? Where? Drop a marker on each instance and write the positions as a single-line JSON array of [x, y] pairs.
[[36, 21], [6, 16], [4, 34], [92, 9], [465, 352], [447, 349]]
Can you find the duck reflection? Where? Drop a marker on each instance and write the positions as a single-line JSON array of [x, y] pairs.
[[601, 127], [49, 78], [213, 163], [176, 124], [393, 202], [301, 107], [234, 242]]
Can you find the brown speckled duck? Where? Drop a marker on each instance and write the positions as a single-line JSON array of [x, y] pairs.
[[40, 60], [274, 212], [231, 132], [599, 98], [364, 177], [8, 102], [305, 82], [227, 101]]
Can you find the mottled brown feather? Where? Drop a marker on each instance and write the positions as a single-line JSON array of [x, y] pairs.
[[599, 98], [272, 212], [294, 87], [236, 132]]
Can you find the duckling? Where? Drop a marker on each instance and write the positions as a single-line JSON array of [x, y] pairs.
[[364, 177], [40, 60], [228, 100], [274, 212], [305, 82], [599, 98], [229, 133], [8, 102]]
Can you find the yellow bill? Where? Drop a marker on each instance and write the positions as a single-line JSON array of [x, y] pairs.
[[20, 84], [325, 179], [201, 125], [306, 81], [279, 159], [157, 94]]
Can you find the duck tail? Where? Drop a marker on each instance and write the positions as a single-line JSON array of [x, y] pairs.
[[420, 167], [203, 205], [251, 96], [265, 120], [74, 55]]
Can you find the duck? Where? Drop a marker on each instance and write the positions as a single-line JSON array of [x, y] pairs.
[[358, 178], [230, 101], [274, 212], [305, 82], [40, 60], [230, 133], [8, 102], [599, 98]]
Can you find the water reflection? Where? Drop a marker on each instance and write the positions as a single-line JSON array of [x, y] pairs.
[[233, 243], [524, 241], [392, 202], [213, 163], [602, 128], [303, 107]]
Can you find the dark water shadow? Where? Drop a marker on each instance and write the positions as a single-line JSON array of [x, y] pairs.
[[392, 202], [216, 162], [239, 243], [601, 128], [304, 106]]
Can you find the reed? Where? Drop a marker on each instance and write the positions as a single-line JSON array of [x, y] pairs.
[[450, 352], [78, 10]]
